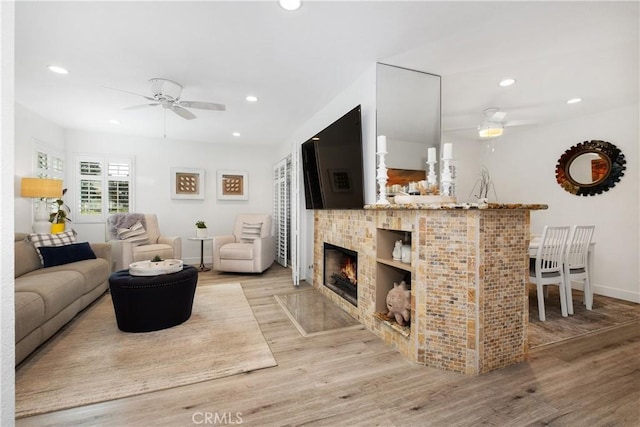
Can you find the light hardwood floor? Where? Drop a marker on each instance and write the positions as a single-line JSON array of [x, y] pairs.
[[351, 378]]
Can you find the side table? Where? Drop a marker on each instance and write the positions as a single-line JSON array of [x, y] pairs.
[[202, 267]]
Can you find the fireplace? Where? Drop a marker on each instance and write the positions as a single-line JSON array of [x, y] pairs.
[[341, 272]]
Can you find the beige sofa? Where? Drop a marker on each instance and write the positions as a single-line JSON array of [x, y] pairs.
[[47, 298]]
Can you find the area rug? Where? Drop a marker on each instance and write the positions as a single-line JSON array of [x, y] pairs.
[[312, 313], [607, 313], [92, 361]]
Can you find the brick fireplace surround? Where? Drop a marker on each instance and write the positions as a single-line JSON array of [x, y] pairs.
[[469, 269]]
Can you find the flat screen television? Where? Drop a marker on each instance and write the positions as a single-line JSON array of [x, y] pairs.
[[332, 165]]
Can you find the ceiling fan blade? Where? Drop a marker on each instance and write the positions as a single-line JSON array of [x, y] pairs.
[[520, 123], [131, 93], [135, 107], [185, 114], [202, 105]]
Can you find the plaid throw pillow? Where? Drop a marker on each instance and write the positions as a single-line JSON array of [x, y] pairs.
[[59, 239], [250, 232], [136, 234]]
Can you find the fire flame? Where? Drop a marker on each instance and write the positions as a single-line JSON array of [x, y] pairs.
[[349, 271]]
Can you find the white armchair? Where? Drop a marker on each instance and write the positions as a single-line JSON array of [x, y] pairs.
[[249, 249], [131, 244]]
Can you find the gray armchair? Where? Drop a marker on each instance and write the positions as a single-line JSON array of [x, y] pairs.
[[134, 247], [249, 249]]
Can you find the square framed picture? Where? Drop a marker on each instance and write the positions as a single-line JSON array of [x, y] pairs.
[[233, 185], [187, 183]]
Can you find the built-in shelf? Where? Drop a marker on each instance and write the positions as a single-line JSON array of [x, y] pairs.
[[388, 272], [396, 264], [405, 330]]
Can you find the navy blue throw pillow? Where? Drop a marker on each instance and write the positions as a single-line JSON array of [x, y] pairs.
[[59, 255]]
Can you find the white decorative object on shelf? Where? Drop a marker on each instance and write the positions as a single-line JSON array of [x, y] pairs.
[[397, 251], [432, 179], [155, 268], [381, 175], [447, 187], [406, 254]]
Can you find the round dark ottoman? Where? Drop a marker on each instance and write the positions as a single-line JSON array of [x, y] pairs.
[[149, 303]]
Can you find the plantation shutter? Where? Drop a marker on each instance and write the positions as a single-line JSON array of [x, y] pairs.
[[282, 209], [104, 187]]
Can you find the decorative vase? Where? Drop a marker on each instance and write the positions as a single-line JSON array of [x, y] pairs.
[[397, 251], [201, 232], [406, 254], [57, 227]]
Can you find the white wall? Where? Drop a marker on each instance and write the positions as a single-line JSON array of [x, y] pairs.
[[523, 170], [7, 311], [154, 158]]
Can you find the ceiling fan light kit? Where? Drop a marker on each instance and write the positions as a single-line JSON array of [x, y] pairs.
[[490, 130]]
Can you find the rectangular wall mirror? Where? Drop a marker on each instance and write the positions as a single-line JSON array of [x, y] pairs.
[[408, 114]]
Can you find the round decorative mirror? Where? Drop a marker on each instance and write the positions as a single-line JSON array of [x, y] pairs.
[[589, 168]]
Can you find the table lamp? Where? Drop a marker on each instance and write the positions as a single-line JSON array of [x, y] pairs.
[[41, 189]]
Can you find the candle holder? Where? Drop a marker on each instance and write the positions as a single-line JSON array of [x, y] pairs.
[[381, 177], [432, 179], [447, 187]]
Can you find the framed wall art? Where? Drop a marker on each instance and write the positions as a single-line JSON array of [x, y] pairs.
[[233, 185], [187, 183]]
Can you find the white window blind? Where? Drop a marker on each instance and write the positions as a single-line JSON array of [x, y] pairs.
[[104, 187], [282, 209]]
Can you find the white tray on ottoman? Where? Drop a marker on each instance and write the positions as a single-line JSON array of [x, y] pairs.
[[155, 268]]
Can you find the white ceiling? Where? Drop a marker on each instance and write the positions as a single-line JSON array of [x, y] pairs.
[[296, 62]]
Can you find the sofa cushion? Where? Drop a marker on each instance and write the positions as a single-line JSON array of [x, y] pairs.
[[29, 313], [58, 289], [250, 232], [237, 251], [94, 271], [25, 257], [60, 255], [58, 239], [136, 234]]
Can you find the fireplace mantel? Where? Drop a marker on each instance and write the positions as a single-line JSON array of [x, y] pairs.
[[469, 307]]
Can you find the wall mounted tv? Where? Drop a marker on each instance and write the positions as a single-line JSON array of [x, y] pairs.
[[332, 165]]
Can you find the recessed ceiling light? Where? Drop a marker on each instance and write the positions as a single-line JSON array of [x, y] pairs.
[[252, 98], [236, 134], [507, 82], [57, 69], [290, 4], [114, 122], [574, 100]]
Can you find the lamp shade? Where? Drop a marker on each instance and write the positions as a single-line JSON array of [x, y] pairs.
[[41, 187]]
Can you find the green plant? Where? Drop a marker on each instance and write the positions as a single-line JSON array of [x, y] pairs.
[[62, 214], [156, 258], [201, 224]]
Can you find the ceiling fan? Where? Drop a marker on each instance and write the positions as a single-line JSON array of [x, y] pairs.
[[493, 124], [166, 93]]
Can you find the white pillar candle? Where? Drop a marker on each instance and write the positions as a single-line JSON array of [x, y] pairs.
[[382, 144], [431, 154], [447, 151]]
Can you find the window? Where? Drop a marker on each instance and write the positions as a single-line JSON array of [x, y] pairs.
[[48, 164], [104, 187]]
